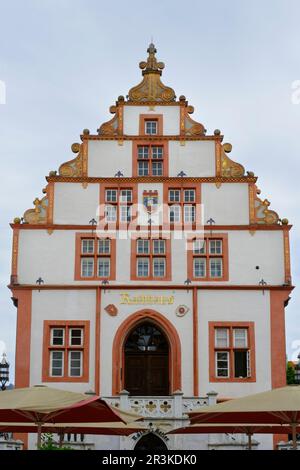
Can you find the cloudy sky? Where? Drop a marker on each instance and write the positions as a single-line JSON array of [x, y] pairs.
[[64, 62]]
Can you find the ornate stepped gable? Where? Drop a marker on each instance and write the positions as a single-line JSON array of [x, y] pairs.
[[151, 91]]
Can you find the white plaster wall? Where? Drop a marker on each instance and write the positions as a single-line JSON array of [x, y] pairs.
[[171, 118], [61, 305], [183, 325], [50, 256], [107, 157], [263, 249], [195, 158], [233, 305], [227, 205], [74, 204]]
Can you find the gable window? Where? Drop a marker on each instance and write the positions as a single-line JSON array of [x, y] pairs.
[[232, 351], [150, 160], [118, 205], [151, 127], [182, 203], [65, 350], [95, 257], [208, 258], [150, 259]]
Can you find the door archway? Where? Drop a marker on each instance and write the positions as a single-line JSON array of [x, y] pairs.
[[121, 335], [146, 361], [151, 442]]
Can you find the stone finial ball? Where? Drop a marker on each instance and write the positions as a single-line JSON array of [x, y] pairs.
[[86, 131], [52, 173], [285, 222], [217, 132], [182, 98], [17, 220], [121, 98]]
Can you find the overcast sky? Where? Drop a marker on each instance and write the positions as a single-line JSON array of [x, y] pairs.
[[64, 62]]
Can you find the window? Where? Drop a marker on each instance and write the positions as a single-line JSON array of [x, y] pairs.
[[151, 127], [57, 336], [207, 258], [57, 363], [95, 257], [182, 205], [118, 204], [232, 351], [66, 351], [151, 258], [150, 160]]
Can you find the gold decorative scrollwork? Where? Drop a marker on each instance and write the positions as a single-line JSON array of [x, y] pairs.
[[151, 88], [192, 127], [73, 167], [262, 212], [38, 215], [229, 168], [110, 127]]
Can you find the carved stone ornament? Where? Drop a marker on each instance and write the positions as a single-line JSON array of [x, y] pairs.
[[38, 215], [229, 168], [192, 127], [151, 88], [73, 167], [111, 309], [181, 310], [262, 212], [110, 127]]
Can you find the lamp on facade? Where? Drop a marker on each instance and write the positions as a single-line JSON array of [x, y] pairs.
[[4, 372], [297, 371]]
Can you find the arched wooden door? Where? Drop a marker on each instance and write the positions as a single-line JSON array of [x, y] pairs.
[[151, 442], [146, 362]]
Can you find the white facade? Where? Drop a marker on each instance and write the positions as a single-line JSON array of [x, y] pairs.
[[110, 290]]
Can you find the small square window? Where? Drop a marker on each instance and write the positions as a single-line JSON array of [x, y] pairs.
[[199, 247], [76, 336], [111, 213], [143, 247], [143, 169], [111, 195], [126, 195], [157, 168], [240, 337], [157, 152], [189, 213], [57, 336], [215, 247], [125, 213], [104, 246], [159, 247], [222, 364], [150, 127], [143, 152], [221, 338], [174, 195], [87, 246], [189, 195]]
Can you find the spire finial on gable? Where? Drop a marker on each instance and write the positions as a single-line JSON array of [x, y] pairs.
[[151, 88]]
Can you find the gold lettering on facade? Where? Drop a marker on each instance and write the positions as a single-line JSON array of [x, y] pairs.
[[126, 299]]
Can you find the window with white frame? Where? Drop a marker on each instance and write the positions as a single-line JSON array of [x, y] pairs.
[[118, 204], [151, 127], [56, 363], [151, 258], [182, 205], [208, 258], [150, 160], [96, 261], [76, 336], [57, 336], [75, 363], [175, 213], [232, 352], [189, 213]]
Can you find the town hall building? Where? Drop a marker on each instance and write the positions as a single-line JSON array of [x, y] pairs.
[[152, 272]]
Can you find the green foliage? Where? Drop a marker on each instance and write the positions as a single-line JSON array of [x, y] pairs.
[[290, 374], [48, 443]]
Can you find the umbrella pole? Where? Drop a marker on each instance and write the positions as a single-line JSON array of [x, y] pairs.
[[39, 435], [61, 438], [249, 435], [294, 434]]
